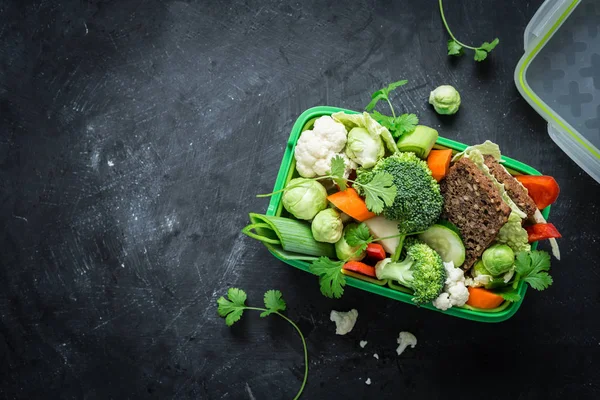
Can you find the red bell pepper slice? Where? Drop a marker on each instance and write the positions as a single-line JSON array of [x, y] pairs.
[[375, 251], [361, 268], [542, 231]]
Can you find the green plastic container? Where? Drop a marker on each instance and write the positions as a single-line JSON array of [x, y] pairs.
[[287, 171]]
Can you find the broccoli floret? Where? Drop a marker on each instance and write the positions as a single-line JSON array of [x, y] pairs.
[[422, 271], [418, 203]]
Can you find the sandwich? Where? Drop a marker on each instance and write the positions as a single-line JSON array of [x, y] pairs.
[[479, 196]]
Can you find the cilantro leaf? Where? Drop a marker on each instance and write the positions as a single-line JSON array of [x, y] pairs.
[[480, 55], [393, 86], [508, 294], [358, 235], [379, 192], [383, 94], [338, 167], [490, 46], [384, 120], [406, 123], [532, 268], [331, 279], [273, 302], [454, 49], [375, 99], [232, 308]]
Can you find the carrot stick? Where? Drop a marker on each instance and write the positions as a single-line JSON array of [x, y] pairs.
[[375, 251], [438, 162], [351, 203], [361, 268], [482, 298], [543, 190]]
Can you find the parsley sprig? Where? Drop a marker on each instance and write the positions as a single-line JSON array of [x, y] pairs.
[[531, 267], [232, 308], [397, 126], [456, 48], [379, 192]]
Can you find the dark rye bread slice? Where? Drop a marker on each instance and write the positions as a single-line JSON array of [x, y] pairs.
[[474, 205], [517, 193]]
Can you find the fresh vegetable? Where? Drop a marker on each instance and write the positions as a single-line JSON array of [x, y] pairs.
[[544, 190], [331, 279], [539, 219], [483, 298], [232, 308], [292, 235], [379, 192], [455, 292], [513, 234], [481, 277], [352, 204], [404, 340], [364, 148], [446, 242], [305, 198], [418, 202], [327, 226], [422, 270], [347, 252], [532, 268], [386, 231], [361, 268], [398, 126], [360, 236], [316, 147], [541, 232], [445, 99], [438, 162], [455, 48], [420, 141], [367, 122], [344, 321], [498, 259], [375, 251]]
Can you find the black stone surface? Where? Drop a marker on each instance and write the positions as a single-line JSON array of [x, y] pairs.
[[133, 138]]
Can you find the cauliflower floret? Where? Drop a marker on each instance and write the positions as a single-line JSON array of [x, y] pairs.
[[455, 291], [344, 321], [404, 340], [315, 148]]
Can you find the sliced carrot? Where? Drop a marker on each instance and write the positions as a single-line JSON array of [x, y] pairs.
[[438, 162], [483, 298], [361, 268], [375, 251], [543, 189], [352, 204]]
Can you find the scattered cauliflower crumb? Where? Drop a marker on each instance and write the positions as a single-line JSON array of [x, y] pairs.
[[405, 339], [376, 356], [455, 292], [344, 321], [316, 147], [363, 343], [368, 381]]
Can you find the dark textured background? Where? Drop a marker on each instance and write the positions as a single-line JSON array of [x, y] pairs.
[[133, 137]]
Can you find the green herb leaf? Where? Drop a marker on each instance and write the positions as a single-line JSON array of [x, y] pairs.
[[454, 49], [375, 99], [405, 123], [383, 94], [508, 294], [490, 46], [393, 86], [273, 302], [338, 167], [358, 235], [331, 279], [480, 55], [232, 308], [531, 268], [379, 192]]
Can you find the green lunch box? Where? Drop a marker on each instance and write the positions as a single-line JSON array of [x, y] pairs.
[[287, 171]]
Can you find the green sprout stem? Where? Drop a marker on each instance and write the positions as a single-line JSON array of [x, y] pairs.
[[391, 107], [303, 344], [450, 32]]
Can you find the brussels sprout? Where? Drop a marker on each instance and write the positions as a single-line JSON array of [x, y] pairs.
[[343, 250], [498, 259], [304, 198], [445, 99], [363, 148], [327, 226]]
